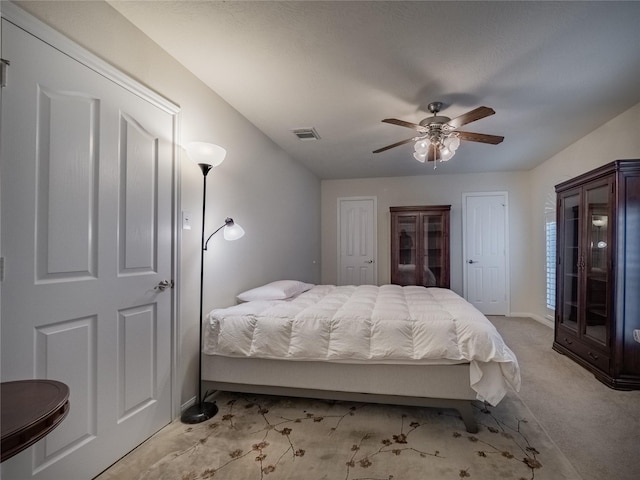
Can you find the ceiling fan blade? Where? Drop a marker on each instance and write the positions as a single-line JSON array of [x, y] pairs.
[[480, 137], [397, 144], [431, 156], [471, 116], [402, 123]]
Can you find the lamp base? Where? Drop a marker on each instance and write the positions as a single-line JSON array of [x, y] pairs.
[[199, 412]]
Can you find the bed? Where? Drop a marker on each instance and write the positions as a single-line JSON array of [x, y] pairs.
[[388, 344]]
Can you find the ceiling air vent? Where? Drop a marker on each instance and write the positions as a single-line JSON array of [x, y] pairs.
[[306, 134]]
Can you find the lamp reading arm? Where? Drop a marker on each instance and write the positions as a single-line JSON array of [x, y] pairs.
[[227, 223], [232, 231]]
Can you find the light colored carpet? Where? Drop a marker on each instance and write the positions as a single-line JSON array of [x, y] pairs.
[[596, 427], [263, 437]]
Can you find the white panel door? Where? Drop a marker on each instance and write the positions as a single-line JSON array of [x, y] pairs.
[[485, 254], [357, 241], [86, 236]]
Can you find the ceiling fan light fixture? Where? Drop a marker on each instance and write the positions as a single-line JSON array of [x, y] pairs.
[[452, 142], [421, 157], [445, 146], [422, 146], [446, 154]]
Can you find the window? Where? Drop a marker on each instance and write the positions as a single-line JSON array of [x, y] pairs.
[[550, 235]]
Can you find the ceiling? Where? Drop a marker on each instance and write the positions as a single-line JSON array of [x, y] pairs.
[[553, 72]]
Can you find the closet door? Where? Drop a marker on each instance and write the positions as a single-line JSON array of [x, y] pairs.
[[87, 194], [357, 241]]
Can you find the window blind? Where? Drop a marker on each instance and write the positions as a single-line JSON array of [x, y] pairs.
[[550, 234]]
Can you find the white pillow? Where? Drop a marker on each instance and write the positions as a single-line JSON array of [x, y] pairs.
[[278, 290]]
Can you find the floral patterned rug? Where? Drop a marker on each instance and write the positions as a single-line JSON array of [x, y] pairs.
[[282, 438]]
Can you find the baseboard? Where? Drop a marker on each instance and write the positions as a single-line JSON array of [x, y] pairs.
[[187, 404], [537, 318]]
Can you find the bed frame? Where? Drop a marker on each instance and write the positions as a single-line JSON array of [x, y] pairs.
[[440, 386]]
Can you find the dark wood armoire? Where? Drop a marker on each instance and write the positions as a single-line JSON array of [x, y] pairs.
[[598, 272], [420, 245]]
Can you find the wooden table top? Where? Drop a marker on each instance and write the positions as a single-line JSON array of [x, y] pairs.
[[30, 410]]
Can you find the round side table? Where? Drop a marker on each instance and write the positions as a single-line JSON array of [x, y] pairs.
[[30, 410]]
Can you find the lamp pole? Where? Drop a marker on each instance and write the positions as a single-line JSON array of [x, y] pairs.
[[207, 156], [202, 410]]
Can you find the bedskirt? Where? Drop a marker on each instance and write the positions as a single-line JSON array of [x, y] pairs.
[[443, 386]]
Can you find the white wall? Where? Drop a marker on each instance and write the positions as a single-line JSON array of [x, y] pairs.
[[615, 140], [435, 189], [275, 199]]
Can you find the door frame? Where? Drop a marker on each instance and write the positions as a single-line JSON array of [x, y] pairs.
[[47, 34], [374, 239], [507, 283]]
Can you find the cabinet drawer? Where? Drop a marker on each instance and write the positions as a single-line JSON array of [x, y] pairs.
[[584, 351]]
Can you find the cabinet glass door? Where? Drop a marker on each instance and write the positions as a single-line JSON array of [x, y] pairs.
[[433, 254], [406, 254], [570, 261], [597, 248]]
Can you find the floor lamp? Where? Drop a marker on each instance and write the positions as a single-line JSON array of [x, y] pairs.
[[207, 156]]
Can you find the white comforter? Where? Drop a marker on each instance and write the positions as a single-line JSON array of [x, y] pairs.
[[369, 324]]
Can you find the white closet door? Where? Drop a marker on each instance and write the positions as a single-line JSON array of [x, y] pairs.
[[485, 252], [86, 236], [357, 241]]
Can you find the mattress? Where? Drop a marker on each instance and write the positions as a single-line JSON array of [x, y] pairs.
[[369, 324]]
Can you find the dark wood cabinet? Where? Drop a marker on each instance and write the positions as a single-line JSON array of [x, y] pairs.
[[598, 272], [420, 245]]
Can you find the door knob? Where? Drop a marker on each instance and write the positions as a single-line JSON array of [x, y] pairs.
[[368, 261], [163, 285], [472, 261]]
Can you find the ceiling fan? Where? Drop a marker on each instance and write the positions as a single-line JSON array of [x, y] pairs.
[[439, 136]]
